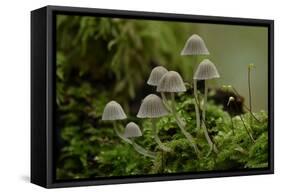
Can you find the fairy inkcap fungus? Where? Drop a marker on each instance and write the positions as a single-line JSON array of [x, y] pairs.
[[171, 82], [132, 130], [152, 107], [156, 74], [113, 111], [206, 70], [195, 45]]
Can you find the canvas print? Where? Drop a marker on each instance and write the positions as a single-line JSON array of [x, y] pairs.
[[138, 97]]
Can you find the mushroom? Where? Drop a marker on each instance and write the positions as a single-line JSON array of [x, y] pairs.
[[194, 47], [206, 70], [154, 78], [172, 82], [152, 107], [132, 131], [155, 75], [113, 112]]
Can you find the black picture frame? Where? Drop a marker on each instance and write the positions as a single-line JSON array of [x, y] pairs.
[[43, 42]]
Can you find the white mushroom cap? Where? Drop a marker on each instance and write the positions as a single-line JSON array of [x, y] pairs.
[[152, 107], [132, 130], [206, 70], [195, 45], [156, 74], [171, 82], [113, 111]]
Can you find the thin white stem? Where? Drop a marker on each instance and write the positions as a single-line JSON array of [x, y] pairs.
[[205, 101], [196, 103], [211, 144], [120, 135], [137, 147], [181, 126], [143, 151], [157, 139], [165, 101]]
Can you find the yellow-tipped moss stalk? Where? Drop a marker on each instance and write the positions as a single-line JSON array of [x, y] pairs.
[[250, 67]]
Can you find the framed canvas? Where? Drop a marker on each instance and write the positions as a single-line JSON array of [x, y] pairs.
[[125, 96]]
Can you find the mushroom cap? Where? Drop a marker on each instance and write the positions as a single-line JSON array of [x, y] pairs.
[[206, 70], [156, 74], [113, 111], [195, 45], [132, 130], [171, 82], [152, 107]]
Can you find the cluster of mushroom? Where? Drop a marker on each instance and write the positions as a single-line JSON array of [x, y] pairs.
[[152, 107], [114, 112], [171, 82], [206, 70]]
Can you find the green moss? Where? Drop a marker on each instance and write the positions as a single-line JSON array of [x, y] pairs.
[[124, 54]]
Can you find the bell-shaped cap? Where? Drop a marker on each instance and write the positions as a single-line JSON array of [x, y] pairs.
[[171, 82], [156, 74], [195, 45], [113, 111], [152, 107], [132, 130], [206, 70]]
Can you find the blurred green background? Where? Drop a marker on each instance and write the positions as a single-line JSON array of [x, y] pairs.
[[103, 59]]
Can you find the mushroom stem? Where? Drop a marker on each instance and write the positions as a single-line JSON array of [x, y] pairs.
[[143, 151], [137, 147], [181, 126], [211, 144], [119, 134], [165, 101], [205, 100], [196, 104], [157, 139]]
